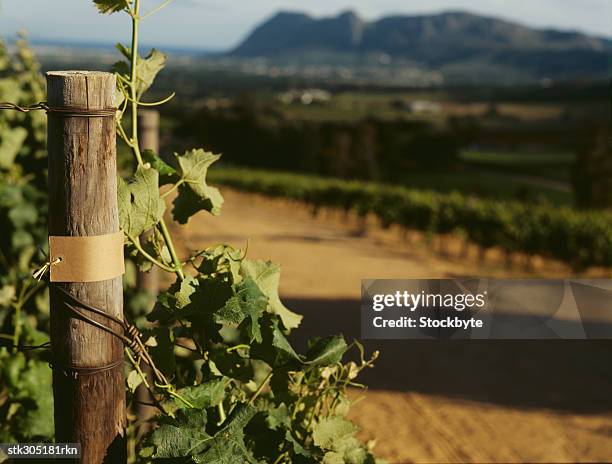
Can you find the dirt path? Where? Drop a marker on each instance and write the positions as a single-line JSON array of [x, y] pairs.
[[429, 401]]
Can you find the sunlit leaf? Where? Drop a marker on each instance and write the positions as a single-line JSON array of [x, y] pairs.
[[267, 276], [326, 351], [330, 430], [204, 395], [194, 193], [140, 206], [247, 304]]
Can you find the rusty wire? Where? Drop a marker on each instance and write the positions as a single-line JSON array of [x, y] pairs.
[[130, 335], [67, 112], [24, 109]]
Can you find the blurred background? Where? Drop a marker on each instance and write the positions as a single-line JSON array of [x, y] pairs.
[[399, 140]]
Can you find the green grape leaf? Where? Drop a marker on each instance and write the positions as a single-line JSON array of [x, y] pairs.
[[125, 51], [267, 276], [227, 445], [186, 436], [111, 6], [278, 417], [330, 430], [35, 387], [181, 437], [140, 206], [163, 311], [133, 380], [280, 384], [186, 288], [248, 304], [353, 452], [210, 296], [222, 259], [148, 68], [10, 144], [203, 396], [326, 351], [297, 447], [274, 349], [331, 457], [194, 194], [167, 174], [230, 365]]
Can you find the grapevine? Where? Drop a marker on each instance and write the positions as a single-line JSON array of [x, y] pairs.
[[233, 388]]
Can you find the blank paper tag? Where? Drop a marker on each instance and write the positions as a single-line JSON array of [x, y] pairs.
[[86, 259]]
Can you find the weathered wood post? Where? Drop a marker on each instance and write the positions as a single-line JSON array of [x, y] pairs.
[[88, 385], [148, 282]]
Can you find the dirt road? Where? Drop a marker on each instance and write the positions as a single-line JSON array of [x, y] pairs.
[[429, 401]]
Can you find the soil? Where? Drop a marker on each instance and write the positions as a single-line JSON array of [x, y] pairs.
[[429, 401]]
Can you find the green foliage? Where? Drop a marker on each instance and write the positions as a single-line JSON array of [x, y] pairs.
[[28, 412], [12, 141], [140, 206], [267, 275], [112, 6], [26, 404], [238, 391], [204, 395], [248, 361], [579, 238], [22, 164], [147, 68], [186, 435], [194, 193]]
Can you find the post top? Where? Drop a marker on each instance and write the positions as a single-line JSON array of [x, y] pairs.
[[91, 90], [78, 73]]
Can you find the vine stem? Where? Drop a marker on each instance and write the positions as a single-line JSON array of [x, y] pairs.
[[157, 8], [238, 347], [136, 242], [175, 259], [146, 384], [261, 387], [133, 141], [134, 80], [281, 458], [173, 188]]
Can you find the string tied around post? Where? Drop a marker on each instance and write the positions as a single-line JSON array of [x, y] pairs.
[[39, 273]]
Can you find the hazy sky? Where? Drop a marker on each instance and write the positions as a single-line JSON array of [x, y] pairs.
[[218, 24]]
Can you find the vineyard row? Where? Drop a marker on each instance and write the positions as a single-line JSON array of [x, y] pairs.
[[579, 238]]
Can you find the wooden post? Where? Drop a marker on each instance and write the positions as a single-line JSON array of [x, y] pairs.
[[89, 407], [148, 282]]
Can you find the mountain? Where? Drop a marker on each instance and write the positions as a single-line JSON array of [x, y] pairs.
[[457, 44]]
